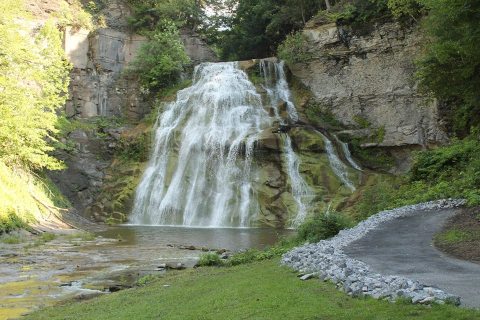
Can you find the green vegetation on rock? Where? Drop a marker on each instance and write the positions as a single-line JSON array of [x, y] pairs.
[[323, 226], [451, 171], [162, 59]]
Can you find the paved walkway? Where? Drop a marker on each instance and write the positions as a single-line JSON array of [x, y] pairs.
[[404, 247]]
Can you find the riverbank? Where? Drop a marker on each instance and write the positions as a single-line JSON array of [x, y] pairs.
[[37, 271], [262, 290]]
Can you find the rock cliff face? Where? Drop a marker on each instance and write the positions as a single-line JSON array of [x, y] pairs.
[[367, 83], [99, 86]]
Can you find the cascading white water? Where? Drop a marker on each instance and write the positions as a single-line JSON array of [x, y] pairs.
[[276, 86], [338, 167], [213, 124], [348, 154]]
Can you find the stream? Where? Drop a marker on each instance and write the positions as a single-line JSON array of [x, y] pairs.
[[34, 275]]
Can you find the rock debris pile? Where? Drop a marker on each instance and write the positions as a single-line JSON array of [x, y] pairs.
[[327, 261]]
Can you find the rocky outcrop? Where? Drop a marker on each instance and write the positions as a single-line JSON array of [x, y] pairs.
[[98, 84], [367, 82], [196, 47], [86, 164]]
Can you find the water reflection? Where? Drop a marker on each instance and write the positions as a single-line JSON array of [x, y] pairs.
[[228, 238]]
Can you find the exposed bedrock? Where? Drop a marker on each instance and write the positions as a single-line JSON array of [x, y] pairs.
[[367, 83]]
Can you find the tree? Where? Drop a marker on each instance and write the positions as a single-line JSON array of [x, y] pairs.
[[258, 27], [450, 68], [162, 59], [33, 85]]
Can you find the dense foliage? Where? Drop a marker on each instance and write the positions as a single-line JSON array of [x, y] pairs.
[[451, 171], [258, 27], [148, 13], [162, 59], [322, 226], [33, 85], [450, 67]]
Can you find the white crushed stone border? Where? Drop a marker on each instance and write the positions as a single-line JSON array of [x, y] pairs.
[[327, 261]]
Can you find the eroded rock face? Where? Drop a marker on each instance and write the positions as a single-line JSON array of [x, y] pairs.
[[98, 87], [368, 81], [86, 166], [99, 84], [196, 48]]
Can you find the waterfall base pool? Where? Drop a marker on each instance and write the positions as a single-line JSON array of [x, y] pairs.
[[232, 239], [79, 267]]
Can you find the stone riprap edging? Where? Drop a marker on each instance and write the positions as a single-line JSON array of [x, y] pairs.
[[327, 261]]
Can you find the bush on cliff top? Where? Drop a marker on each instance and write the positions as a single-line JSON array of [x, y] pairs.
[[162, 59]]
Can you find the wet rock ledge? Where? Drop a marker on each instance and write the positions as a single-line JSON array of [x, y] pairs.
[[327, 261]]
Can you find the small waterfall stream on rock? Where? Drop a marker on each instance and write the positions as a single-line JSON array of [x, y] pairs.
[[276, 86], [339, 168], [348, 154]]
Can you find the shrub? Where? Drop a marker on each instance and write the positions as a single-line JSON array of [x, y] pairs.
[[209, 259], [11, 239], [161, 60], [252, 255], [404, 8], [322, 226], [10, 222], [294, 49]]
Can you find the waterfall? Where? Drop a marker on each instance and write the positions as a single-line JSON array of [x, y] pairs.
[[276, 86], [348, 154], [338, 167], [199, 172]]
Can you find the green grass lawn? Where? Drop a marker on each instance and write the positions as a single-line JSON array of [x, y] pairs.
[[261, 290]]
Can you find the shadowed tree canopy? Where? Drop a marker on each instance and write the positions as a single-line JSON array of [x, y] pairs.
[[258, 27]]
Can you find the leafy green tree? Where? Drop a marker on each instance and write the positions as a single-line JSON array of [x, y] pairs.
[[258, 27], [149, 13], [34, 78], [450, 67], [162, 59]]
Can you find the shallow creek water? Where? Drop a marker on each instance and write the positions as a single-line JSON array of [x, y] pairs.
[[71, 267]]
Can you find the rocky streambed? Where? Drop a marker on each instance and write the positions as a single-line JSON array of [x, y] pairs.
[[38, 271], [328, 261]]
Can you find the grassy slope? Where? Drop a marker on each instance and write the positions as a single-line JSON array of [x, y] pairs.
[[260, 290], [24, 197]]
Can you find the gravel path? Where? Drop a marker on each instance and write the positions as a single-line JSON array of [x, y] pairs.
[[329, 260]]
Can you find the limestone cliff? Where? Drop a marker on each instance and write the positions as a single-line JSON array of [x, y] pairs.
[[100, 86], [367, 83]]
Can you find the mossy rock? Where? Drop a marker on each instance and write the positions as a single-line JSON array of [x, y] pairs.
[[268, 140], [305, 139]]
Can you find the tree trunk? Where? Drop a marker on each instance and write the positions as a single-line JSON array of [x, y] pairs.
[[327, 3]]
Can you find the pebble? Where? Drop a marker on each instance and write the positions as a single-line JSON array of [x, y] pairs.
[[327, 261]]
